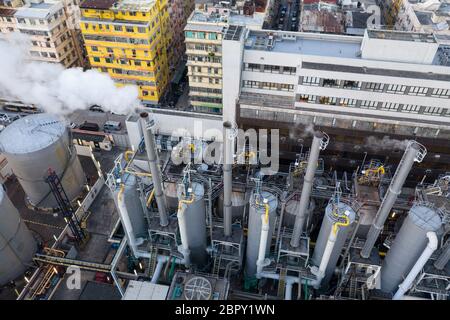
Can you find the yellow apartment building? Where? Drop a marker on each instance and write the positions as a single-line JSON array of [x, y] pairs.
[[128, 39]]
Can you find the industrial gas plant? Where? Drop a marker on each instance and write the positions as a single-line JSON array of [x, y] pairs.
[[228, 230]]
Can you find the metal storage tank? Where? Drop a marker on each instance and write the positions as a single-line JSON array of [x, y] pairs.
[[408, 245], [327, 226], [254, 229], [291, 212], [239, 201], [170, 191], [33, 145], [133, 204], [196, 224], [17, 245]]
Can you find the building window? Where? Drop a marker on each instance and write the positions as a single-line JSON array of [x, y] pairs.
[[418, 91], [200, 35], [367, 104], [330, 83], [272, 69], [190, 34], [440, 93], [396, 88], [311, 81], [129, 29], [432, 110], [307, 98], [328, 100], [252, 67], [354, 85], [96, 59], [347, 102], [389, 106], [141, 29], [374, 86], [411, 108], [289, 70], [94, 48], [118, 28], [212, 36]]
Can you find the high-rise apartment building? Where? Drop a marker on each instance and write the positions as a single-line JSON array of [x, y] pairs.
[[203, 36], [45, 22], [179, 12], [128, 39], [8, 22]]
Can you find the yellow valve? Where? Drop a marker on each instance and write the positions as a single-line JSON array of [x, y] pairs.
[[150, 198]]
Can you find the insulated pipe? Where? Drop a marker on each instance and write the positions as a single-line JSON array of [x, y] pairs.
[[443, 258], [227, 178], [263, 241], [150, 146], [426, 254], [317, 145], [288, 291], [126, 220], [159, 266], [414, 152], [183, 232], [326, 256]]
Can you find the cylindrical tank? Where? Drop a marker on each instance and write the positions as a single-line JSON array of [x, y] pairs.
[[238, 202], [35, 144], [135, 211], [408, 245], [170, 191], [366, 217], [327, 226], [254, 229], [291, 212], [17, 245], [195, 214]]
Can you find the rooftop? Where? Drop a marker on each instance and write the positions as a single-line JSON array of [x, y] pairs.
[[97, 4], [402, 36], [304, 43], [38, 10]]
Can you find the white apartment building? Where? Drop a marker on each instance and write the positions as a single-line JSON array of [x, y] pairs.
[[387, 82], [46, 24]]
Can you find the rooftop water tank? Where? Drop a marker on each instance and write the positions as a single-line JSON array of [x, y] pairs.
[[17, 245], [35, 144]]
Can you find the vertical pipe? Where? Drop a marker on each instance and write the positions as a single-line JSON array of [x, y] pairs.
[[414, 152], [326, 257], [426, 254], [183, 234], [288, 290], [150, 146], [307, 188], [443, 258], [159, 267], [262, 244], [227, 178]]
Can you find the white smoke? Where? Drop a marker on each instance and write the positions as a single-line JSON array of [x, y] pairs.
[[55, 89], [386, 143]]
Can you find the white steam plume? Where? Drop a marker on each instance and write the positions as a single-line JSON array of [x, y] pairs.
[[57, 90], [386, 143]]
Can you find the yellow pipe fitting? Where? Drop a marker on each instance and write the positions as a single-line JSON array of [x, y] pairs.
[[150, 198], [341, 224]]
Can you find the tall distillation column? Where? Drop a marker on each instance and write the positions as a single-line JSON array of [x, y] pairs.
[[227, 177], [414, 152], [320, 142], [150, 146]]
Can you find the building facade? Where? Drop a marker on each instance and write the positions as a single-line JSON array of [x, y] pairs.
[[128, 40], [8, 22], [385, 83], [45, 22]]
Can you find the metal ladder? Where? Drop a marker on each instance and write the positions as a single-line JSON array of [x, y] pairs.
[[216, 268], [282, 283], [152, 262]]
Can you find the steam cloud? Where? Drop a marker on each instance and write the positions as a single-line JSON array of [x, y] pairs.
[[386, 143], [55, 89]]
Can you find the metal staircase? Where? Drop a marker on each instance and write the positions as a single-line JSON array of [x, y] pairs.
[[282, 283], [153, 260], [216, 268]]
